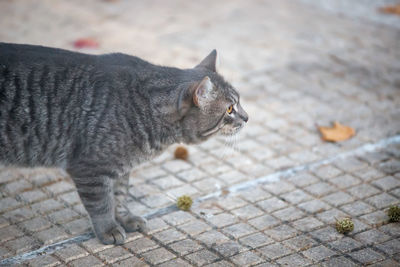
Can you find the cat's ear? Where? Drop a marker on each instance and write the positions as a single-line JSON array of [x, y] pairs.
[[210, 62], [203, 93]]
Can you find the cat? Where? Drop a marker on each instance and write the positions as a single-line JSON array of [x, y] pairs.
[[98, 116]]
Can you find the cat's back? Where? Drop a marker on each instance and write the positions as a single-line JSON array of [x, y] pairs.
[[31, 55], [41, 89]]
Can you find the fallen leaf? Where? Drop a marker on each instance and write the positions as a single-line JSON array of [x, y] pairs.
[[86, 43], [395, 9], [336, 133]]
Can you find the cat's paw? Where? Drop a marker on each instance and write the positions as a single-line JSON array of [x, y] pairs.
[[112, 235], [132, 223]]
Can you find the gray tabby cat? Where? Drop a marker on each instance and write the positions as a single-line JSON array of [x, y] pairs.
[[97, 116]]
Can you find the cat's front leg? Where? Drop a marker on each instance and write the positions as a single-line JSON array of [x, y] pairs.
[[97, 196], [130, 222]]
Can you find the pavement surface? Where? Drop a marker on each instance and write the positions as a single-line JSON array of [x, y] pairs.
[[272, 196]]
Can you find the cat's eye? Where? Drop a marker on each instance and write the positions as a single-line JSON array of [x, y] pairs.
[[230, 109]]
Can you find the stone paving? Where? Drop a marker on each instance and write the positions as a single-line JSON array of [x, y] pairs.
[[272, 196]]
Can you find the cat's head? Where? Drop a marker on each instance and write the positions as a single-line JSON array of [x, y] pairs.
[[209, 104]]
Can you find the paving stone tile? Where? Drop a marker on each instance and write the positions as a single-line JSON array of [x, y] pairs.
[[186, 246], [314, 206], [264, 222], [51, 235], [383, 200], [141, 245], [255, 194], [157, 200], [191, 175], [307, 224], [363, 190], [36, 224], [392, 229], [63, 216], [357, 208], [71, 198], [327, 172], [94, 245], [114, 254], [318, 253], [169, 236], [167, 182], [300, 243], [222, 220], [275, 251], [19, 215], [247, 212], [345, 181], [59, 188], [297, 196], [129, 262], [17, 187], [369, 174], [278, 188], [256, 240], [211, 237], [78, 226], [222, 263], [271, 204], [385, 263], [5, 253], [156, 225], [390, 247], [32, 196], [228, 249], [10, 232], [247, 258], [174, 166], [372, 236], [339, 261], [390, 166], [86, 261], [366, 256], [176, 263], [158, 256], [238, 230], [281, 232], [8, 203], [46, 206], [202, 257], [183, 190], [230, 203], [22, 244], [350, 164], [320, 189], [326, 234], [338, 198], [71, 253], [387, 183], [43, 261], [208, 185], [194, 227], [375, 218], [345, 244], [303, 179], [294, 260], [231, 177], [289, 214]]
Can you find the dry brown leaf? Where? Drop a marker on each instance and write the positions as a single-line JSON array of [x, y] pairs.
[[336, 133], [395, 9]]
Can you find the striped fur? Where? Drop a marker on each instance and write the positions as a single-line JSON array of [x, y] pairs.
[[99, 116]]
